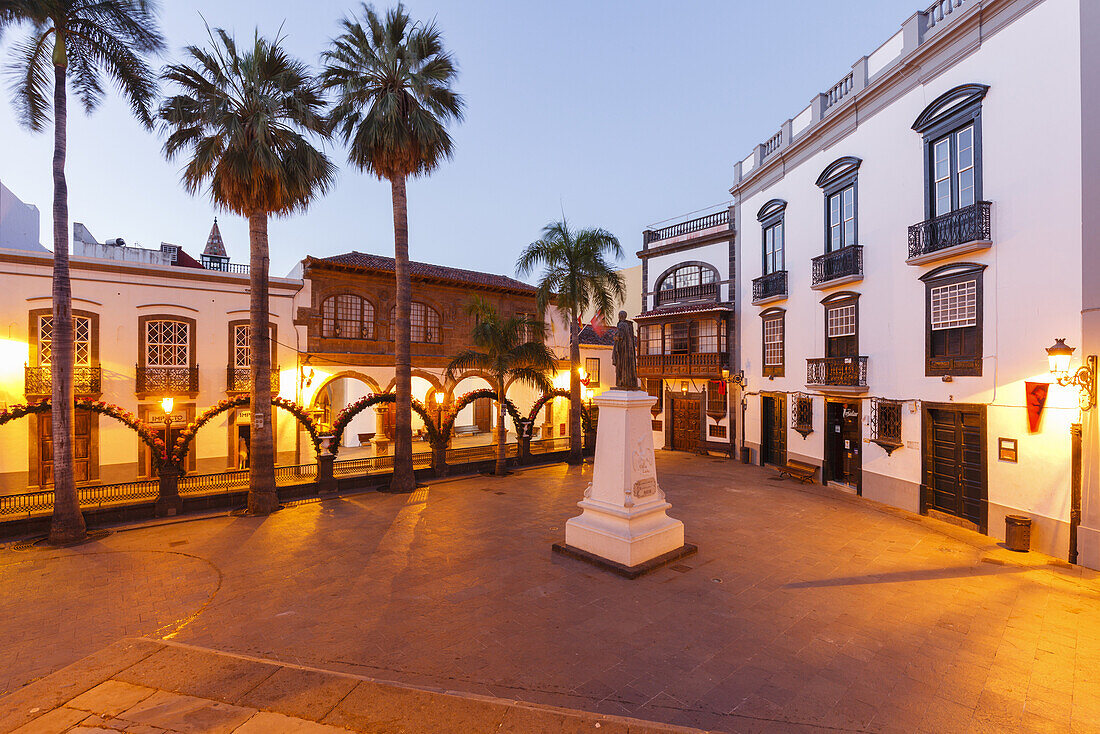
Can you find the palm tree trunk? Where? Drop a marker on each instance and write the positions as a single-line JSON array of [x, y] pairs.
[[403, 478], [574, 391], [502, 457], [67, 523], [262, 497]]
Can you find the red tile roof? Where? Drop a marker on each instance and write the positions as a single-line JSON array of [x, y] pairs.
[[426, 271], [589, 336], [692, 308]]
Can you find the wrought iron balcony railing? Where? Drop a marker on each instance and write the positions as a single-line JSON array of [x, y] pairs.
[[692, 225], [682, 365], [847, 262], [837, 371], [167, 380], [768, 286], [38, 381], [239, 379], [687, 293], [970, 224]]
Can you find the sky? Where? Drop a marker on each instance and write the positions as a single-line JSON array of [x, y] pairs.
[[619, 114]]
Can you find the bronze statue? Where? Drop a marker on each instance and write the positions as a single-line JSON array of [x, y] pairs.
[[624, 355]]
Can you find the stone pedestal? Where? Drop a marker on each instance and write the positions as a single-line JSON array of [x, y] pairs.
[[169, 503], [623, 525]]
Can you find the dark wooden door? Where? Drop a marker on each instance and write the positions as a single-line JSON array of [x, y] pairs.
[[685, 424], [955, 475], [773, 439], [483, 414], [82, 447], [843, 439]]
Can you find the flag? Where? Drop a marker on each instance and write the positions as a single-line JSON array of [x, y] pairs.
[[1036, 395], [598, 324]]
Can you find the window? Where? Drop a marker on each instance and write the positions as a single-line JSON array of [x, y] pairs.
[[592, 368], [688, 281], [167, 344], [653, 387], [802, 414], [886, 423], [705, 337], [953, 335], [952, 130], [424, 324], [82, 340], [651, 339], [838, 181], [242, 353], [677, 339], [716, 397], [772, 327], [841, 325], [717, 431], [771, 228], [348, 317]]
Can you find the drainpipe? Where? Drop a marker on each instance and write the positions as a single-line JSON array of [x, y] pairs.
[[1075, 490]]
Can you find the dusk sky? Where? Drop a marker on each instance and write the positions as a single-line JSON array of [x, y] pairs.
[[619, 113]]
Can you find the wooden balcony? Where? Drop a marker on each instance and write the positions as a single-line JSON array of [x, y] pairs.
[[705, 291], [847, 374], [671, 366], [840, 266], [38, 381], [770, 287], [955, 233], [166, 380]]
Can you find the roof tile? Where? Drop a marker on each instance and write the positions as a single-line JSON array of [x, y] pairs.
[[381, 263]]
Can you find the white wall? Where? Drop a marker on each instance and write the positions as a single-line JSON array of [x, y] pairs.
[[19, 223]]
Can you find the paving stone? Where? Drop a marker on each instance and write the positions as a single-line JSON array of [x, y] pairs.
[[196, 673], [187, 714], [305, 694], [110, 698], [266, 722], [52, 722]]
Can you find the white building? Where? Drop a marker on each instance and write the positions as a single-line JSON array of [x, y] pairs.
[[685, 330], [909, 243]]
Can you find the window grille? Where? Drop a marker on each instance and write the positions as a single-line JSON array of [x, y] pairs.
[[347, 316], [717, 431], [242, 353], [653, 387], [886, 423], [955, 305], [592, 369], [841, 321], [802, 413], [773, 342], [167, 344], [716, 397], [82, 341], [424, 324]]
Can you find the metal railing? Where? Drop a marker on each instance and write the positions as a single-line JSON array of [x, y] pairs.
[[692, 225], [690, 292], [837, 371], [166, 379], [39, 381], [239, 379], [969, 224], [843, 263], [225, 267], [769, 286]]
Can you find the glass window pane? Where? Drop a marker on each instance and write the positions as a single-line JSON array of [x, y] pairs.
[[966, 187], [943, 197]]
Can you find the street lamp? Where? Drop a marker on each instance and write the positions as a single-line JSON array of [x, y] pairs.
[[1058, 357], [166, 405]]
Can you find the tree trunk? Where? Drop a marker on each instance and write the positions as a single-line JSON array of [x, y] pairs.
[[502, 436], [575, 456], [67, 523], [403, 478], [262, 497]]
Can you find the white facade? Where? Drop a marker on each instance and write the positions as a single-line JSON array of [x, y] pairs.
[[19, 223], [1025, 272]]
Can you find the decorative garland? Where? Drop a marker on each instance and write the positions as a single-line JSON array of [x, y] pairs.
[[187, 435], [353, 409], [144, 431], [449, 416], [586, 419]]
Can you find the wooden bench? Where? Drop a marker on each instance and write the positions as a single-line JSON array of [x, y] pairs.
[[466, 430], [799, 470]]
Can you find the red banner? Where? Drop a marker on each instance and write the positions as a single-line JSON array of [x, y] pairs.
[[1036, 394]]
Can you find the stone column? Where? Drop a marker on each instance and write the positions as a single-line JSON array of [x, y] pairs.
[[326, 481]]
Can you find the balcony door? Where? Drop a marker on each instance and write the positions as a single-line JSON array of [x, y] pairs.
[[83, 420], [773, 430]]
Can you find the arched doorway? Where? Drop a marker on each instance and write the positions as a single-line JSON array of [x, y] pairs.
[[367, 431]]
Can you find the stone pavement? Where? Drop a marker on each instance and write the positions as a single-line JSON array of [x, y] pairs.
[[155, 687], [804, 610]]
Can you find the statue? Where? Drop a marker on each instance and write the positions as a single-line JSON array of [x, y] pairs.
[[624, 355]]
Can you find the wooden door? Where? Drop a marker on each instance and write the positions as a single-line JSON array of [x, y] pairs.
[[843, 439], [483, 414], [773, 428], [82, 447], [685, 424], [955, 476]]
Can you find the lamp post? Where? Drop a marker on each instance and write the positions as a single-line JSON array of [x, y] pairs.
[[1058, 358], [168, 493]]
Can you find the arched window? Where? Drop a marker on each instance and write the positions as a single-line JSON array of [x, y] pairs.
[[348, 317], [424, 324], [688, 282]]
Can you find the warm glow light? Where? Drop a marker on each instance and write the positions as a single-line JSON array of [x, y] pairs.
[[582, 373], [561, 380], [588, 394], [1058, 357], [684, 387], [166, 405]]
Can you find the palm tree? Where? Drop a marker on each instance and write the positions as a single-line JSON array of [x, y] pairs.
[[392, 80], [507, 354], [576, 277], [88, 41], [246, 118]]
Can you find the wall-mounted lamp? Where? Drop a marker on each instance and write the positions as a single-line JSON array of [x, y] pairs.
[[737, 378], [1058, 357], [684, 387]]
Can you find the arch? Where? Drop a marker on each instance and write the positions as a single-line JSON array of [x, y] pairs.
[[840, 168], [771, 208], [448, 392], [348, 374], [448, 417], [688, 264], [952, 102], [841, 296], [187, 435], [353, 409], [435, 380], [952, 269], [360, 316], [586, 420]]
